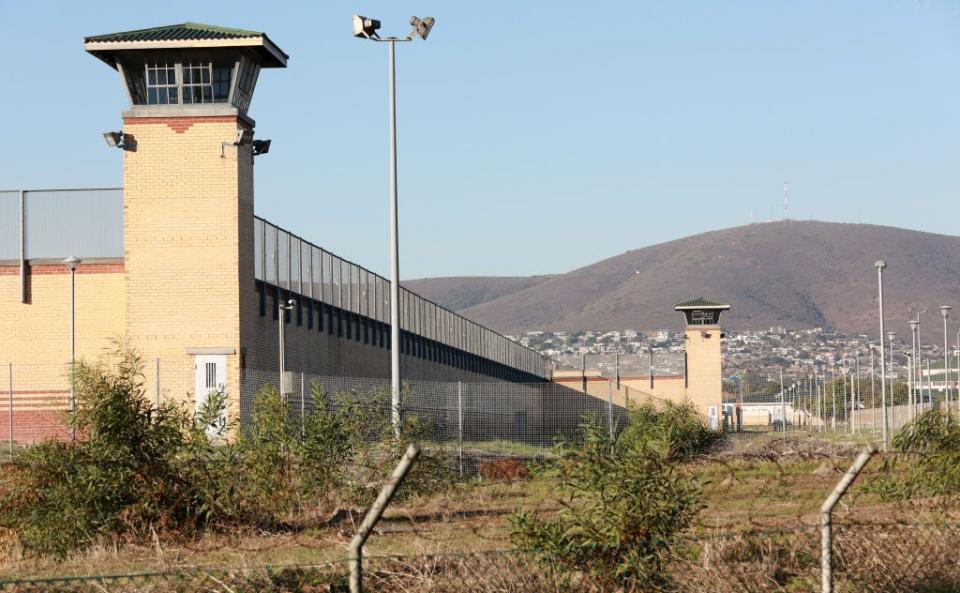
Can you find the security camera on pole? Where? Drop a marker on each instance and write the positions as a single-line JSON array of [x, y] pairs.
[[366, 28]]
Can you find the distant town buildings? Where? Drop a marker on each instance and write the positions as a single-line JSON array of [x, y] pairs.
[[803, 350]]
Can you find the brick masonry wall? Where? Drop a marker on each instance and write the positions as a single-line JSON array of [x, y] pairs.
[[703, 385], [187, 199], [36, 334], [322, 352]]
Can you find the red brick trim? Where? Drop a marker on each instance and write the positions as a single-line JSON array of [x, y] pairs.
[[51, 269], [182, 124]]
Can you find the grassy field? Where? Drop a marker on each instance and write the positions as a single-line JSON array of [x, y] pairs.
[[772, 485]]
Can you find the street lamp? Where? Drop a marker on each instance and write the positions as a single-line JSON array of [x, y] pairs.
[[72, 262], [366, 28], [914, 330], [284, 307], [880, 265], [945, 312]]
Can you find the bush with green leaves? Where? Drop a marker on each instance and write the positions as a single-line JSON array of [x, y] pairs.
[[679, 425], [623, 504], [136, 470], [926, 462], [123, 475]]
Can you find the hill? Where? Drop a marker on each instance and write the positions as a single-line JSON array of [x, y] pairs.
[[461, 292], [795, 274]]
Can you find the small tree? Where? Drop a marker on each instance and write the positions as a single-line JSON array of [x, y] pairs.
[[623, 504]]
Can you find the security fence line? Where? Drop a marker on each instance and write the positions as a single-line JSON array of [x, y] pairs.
[[613, 365], [474, 421], [39, 225], [52, 224], [285, 262], [501, 417]]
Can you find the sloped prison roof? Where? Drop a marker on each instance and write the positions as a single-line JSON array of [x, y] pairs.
[[701, 303], [185, 35]]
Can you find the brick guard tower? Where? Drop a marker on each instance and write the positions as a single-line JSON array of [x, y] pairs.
[[188, 195], [704, 374]]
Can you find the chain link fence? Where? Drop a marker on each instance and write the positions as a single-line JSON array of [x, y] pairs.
[[868, 558], [476, 421]]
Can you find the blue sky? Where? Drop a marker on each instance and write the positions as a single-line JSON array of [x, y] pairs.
[[539, 137]]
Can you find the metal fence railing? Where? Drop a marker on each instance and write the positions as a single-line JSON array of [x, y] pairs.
[[656, 362], [476, 419], [292, 264], [54, 224]]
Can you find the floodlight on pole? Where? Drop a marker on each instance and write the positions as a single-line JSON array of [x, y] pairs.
[[366, 28], [880, 265]]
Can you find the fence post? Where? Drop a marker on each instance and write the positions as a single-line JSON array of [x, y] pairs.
[[303, 408], [479, 423], [610, 408], [10, 399], [460, 425], [783, 405], [373, 515], [826, 516]]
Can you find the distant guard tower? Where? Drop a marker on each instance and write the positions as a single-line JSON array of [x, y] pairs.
[[188, 195], [704, 375]]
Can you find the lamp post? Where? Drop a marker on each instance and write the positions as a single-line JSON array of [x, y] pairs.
[[880, 265], [282, 321], [366, 28], [945, 312], [893, 382], [72, 263], [914, 329]]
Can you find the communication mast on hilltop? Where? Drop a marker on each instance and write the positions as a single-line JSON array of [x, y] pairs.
[[786, 200]]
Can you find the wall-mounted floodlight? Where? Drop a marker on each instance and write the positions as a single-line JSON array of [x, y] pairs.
[[261, 147], [114, 139], [421, 27], [365, 27], [242, 137]]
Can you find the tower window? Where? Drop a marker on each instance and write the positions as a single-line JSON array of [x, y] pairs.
[[162, 88], [204, 83], [188, 83]]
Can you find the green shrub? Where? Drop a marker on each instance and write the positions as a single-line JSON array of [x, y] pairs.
[[623, 503], [121, 476], [926, 460], [680, 425], [136, 470]]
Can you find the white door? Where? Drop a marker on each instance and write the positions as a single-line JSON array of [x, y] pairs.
[[211, 377]]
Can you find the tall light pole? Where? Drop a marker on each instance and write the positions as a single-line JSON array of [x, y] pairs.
[[880, 265], [72, 263], [366, 28], [945, 312], [284, 307], [914, 329]]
